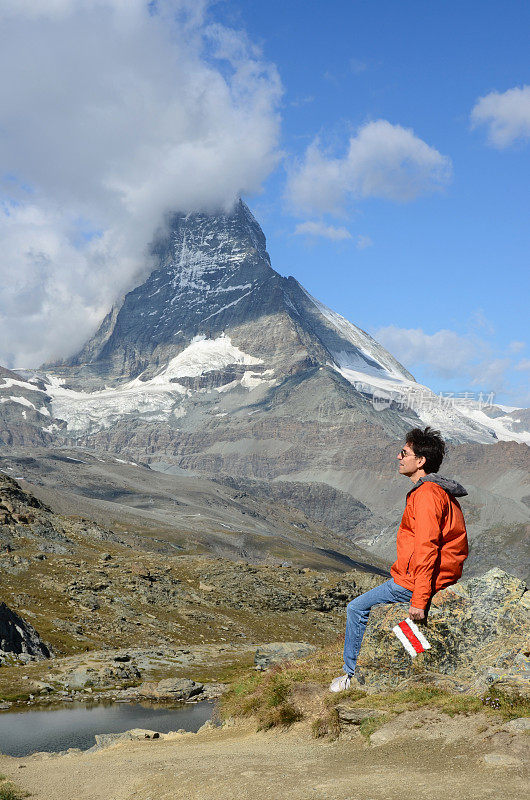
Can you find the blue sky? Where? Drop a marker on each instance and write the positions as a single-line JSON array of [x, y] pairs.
[[349, 127], [456, 259]]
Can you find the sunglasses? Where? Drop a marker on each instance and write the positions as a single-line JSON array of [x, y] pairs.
[[403, 453]]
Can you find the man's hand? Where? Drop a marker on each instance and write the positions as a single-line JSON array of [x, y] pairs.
[[416, 614]]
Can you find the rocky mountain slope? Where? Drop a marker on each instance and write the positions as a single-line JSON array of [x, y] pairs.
[[83, 586], [214, 335], [217, 366]]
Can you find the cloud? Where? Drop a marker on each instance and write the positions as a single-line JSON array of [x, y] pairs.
[[516, 347], [506, 115], [321, 229], [448, 355], [305, 100], [115, 111], [363, 242], [382, 160], [523, 365], [480, 321]]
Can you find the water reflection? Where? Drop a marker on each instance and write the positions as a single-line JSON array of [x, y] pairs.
[[25, 732]]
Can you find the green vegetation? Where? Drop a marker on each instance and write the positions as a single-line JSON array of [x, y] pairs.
[[297, 689], [8, 790], [267, 697], [327, 725], [372, 724], [509, 706]]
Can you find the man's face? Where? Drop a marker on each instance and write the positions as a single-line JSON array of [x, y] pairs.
[[408, 462]]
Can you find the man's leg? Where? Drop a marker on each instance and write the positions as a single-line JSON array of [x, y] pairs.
[[358, 612]]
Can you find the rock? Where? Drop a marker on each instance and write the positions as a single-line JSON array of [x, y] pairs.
[[477, 629], [276, 652], [108, 739], [211, 691], [143, 733], [176, 689], [522, 724], [5, 706], [354, 716], [19, 637], [382, 736], [207, 726], [101, 675], [501, 760], [78, 677], [41, 686]]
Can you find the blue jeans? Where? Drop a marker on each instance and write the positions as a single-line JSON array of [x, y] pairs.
[[358, 612]]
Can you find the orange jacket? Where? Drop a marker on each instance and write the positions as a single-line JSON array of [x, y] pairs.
[[431, 540]]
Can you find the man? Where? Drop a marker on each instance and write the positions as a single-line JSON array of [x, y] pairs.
[[431, 545]]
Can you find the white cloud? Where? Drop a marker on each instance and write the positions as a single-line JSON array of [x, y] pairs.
[[363, 242], [112, 115], [447, 354], [516, 347], [445, 351], [383, 160], [523, 365], [506, 115], [321, 229]]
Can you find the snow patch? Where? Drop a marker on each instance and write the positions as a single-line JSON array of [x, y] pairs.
[[202, 355], [155, 399], [21, 401]]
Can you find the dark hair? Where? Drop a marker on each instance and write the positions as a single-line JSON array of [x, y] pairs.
[[429, 444]]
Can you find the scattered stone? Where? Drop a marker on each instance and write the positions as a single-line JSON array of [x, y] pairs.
[[104, 740], [517, 725], [354, 716], [42, 687], [274, 653], [383, 736], [177, 689], [501, 760]]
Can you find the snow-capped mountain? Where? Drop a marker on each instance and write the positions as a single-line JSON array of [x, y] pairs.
[[214, 328], [26, 415], [218, 366]]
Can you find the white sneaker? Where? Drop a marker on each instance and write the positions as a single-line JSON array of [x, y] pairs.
[[340, 684]]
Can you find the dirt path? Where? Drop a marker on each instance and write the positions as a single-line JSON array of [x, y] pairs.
[[238, 764]]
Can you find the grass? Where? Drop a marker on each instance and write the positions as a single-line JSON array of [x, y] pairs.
[[270, 697], [328, 725], [372, 724], [509, 706], [8, 790], [267, 697]]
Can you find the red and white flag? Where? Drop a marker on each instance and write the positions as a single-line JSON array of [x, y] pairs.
[[411, 637]]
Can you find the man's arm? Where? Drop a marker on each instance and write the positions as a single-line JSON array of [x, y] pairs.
[[428, 513]]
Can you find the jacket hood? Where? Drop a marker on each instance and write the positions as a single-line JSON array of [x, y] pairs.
[[450, 486]]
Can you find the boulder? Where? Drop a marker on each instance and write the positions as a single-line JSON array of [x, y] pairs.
[[100, 675], [274, 653], [478, 631], [176, 689], [354, 716], [19, 637], [104, 740], [519, 725]]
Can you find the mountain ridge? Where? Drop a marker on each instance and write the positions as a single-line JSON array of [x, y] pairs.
[[219, 366]]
